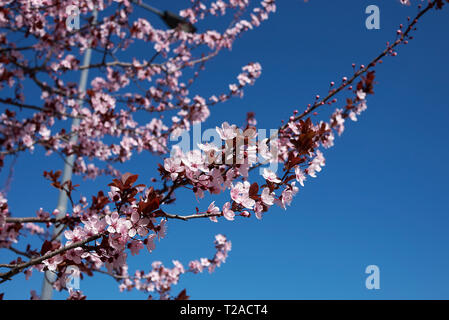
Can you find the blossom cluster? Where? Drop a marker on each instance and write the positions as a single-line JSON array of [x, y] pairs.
[[108, 110], [138, 105], [297, 150], [160, 279]]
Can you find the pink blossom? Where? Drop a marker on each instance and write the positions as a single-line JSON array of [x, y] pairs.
[[28, 141], [34, 295], [267, 197], [195, 161], [139, 225], [258, 208], [76, 235], [3, 213], [361, 95], [135, 246], [300, 176], [211, 151], [316, 164], [294, 188], [205, 262], [44, 132], [226, 131], [240, 194], [150, 242], [28, 273], [212, 209], [117, 225], [195, 266], [76, 295], [43, 215], [53, 262], [270, 176], [74, 255], [245, 214], [114, 194], [162, 229], [173, 166], [220, 239], [287, 197], [227, 212], [338, 121], [94, 225], [33, 228]]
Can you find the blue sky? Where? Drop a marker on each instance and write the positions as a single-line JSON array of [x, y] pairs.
[[382, 198]]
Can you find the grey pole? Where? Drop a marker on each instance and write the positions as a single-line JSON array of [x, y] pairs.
[[50, 277]]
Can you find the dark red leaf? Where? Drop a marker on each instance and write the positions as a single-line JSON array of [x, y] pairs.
[[182, 295], [125, 176], [254, 189], [131, 179], [46, 246]]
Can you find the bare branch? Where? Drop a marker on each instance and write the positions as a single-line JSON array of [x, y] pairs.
[[193, 216]]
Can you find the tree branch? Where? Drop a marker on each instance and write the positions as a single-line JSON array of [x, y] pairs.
[[193, 216], [15, 269]]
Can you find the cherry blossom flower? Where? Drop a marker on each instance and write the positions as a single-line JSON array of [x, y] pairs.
[[150, 242], [226, 131], [114, 194], [135, 246], [33, 228], [194, 161], [258, 208], [162, 229], [75, 255], [316, 164], [3, 210], [267, 197], [173, 166], [76, 235], [42, 214], [270, 176], [114, 222], [53, 262], [361, 95], [93, 226], [300, 176], [240, 194], [227, 212], [287, 197], [212, 152], [76, 295], [139, 225], [265, 151], [212, 209]]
